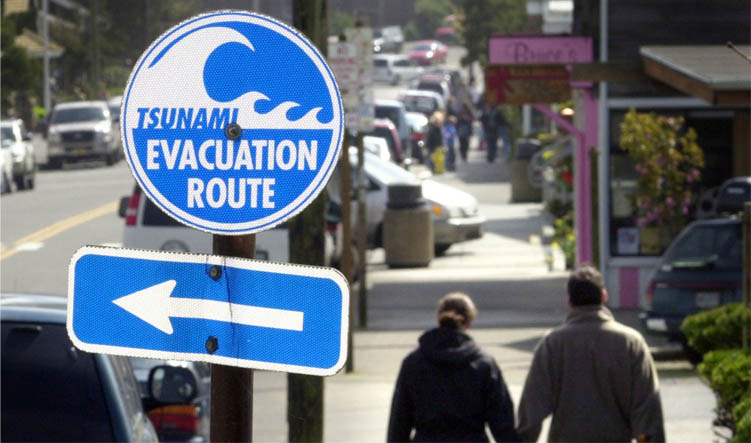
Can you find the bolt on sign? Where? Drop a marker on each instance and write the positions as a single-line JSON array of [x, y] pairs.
[[231, 124], [523, 84]]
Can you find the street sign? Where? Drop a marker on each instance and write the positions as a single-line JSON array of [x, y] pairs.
[[527, 84], [197, 80], [221, 310], [362, 118]]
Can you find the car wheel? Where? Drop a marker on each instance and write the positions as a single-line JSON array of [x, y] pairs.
[[396, 80], [20, 182], [55, 163], [4, 185], [441, 249], [692, 355], [110, 159], [31, 178]]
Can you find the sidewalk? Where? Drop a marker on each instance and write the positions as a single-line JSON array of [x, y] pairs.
[[518, 300]]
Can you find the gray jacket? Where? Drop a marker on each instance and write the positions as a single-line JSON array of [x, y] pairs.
[[596, 376]]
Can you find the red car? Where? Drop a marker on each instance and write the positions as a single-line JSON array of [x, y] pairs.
[[385, 128], [427, 52]]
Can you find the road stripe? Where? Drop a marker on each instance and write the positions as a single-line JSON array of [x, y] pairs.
[[59, 227]]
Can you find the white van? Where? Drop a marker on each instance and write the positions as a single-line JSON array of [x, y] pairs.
[[148, 227], [394, 68]]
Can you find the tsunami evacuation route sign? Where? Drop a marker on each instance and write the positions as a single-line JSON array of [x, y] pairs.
[[228, 68]]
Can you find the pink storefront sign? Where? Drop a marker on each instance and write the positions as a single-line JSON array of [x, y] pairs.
[[539, 50]]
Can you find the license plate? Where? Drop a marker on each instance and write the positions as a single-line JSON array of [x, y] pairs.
[[657, 324], [706, 300]]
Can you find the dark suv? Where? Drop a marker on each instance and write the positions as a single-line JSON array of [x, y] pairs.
[[701, 269]]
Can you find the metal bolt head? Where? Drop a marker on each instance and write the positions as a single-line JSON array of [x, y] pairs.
[[215, 272], [212, 344], [233, 131]]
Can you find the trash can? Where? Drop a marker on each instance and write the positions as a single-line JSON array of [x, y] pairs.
[[521, 189], [407, 227]]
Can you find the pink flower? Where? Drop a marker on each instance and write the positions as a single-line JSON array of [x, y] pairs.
[[695, 173], [670, 202], [641, 222], [660, 181], [685, 210]]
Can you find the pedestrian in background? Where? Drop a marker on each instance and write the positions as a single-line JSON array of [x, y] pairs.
[[448, 389], [434, 137], [464, 129], [449, 139], [595, 375]]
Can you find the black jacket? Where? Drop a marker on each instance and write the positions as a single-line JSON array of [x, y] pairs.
[[447, 390]]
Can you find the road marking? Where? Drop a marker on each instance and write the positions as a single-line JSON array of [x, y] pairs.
[[30, 246], [56, 228]]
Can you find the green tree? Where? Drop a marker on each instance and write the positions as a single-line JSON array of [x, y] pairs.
[[430, 14], [339, 21], [20, 75], [482, 18]]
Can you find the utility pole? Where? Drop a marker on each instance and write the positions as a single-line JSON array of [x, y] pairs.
[[232, 387], [746, 224], [362, 234], [46, 36], [346, 259], [306, 232]]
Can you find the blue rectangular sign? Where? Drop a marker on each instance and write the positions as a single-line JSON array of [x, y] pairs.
[[222, 310]]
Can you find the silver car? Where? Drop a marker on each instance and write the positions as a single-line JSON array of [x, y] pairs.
[[456, 216], [83, 130]]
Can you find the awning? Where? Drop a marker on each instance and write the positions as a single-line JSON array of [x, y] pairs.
[[33, 43], [716, 74]]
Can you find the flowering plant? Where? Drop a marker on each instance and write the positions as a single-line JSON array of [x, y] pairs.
[[668, 161]]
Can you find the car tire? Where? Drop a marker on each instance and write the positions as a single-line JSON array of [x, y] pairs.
[[110, 158], [31, 178], [20, 182], [692, 355], [5, 186], [441, 249], [55, 163], [396, 80]]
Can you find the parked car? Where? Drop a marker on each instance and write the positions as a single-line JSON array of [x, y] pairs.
[[428, 52], [377, 146], [388, 39], [394, 68], [455, 213], [385, 129], [394, 110], [148, 227], [701, 269], [18, 140], [418, 124], [6, 168], [52, 391], [422, 101], [433, 82], [446, 35], [83, 130], [115, 104], [733, 195]]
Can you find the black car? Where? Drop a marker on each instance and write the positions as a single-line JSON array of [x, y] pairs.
[[52, 391], [701, 269]]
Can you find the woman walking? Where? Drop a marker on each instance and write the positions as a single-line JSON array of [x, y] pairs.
[[449, 389]]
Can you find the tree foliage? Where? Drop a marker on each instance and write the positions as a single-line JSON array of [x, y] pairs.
[[19, 73], [430, 15], [483, 18]]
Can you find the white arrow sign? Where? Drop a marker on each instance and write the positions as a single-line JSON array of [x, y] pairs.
[[155, 306]]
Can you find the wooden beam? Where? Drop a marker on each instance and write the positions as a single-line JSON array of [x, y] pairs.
[[679, 81], [735, 97], [612, 72]]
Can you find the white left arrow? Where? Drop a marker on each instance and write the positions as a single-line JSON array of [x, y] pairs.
[[155, 306]]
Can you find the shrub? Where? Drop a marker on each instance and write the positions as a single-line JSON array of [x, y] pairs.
[[729, 375], [719, 328], [742, 416]]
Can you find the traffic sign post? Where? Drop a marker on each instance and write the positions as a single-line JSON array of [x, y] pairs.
[[231, 123]]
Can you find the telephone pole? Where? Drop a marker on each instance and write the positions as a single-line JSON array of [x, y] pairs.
[[306, 233]]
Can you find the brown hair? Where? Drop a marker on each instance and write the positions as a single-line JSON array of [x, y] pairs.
[[456, 310]]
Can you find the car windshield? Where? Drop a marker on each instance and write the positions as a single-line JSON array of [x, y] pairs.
[[7, 135], [425, 47], [386, 172], [429, 86], [415, 103], [380, 63], [716, 246], [388, 112], [70, 115]]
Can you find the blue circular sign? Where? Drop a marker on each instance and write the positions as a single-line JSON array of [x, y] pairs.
[[211, 72]]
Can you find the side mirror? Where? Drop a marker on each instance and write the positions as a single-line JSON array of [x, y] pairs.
[[124, 201], [172, 384]]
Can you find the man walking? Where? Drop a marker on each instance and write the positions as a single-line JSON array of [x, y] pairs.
[[595, 375]]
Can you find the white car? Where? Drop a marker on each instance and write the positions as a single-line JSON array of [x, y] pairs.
[[148, 227], [422, 101], [6, 169], [394, 68], [455, 213], [378, 146], [18, 142], [83, 130]]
